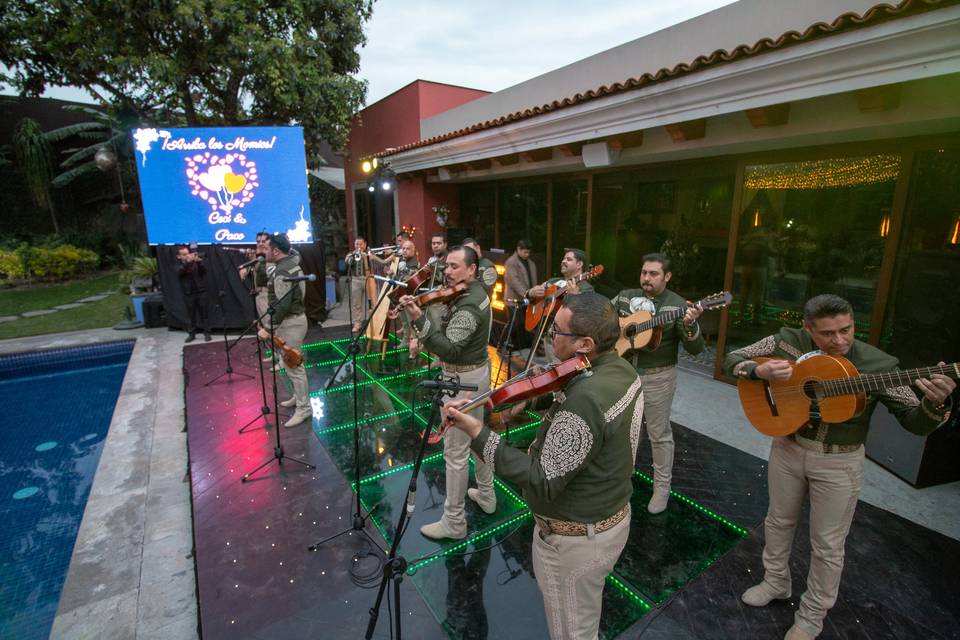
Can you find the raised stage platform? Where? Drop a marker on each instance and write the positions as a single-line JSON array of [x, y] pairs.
[[679, 577]]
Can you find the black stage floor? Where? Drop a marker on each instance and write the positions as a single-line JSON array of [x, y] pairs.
[[679, 577]]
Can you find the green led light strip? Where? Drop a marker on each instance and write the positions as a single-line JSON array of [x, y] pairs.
[[326, 363], [462, 545], [702, 509], [382, 416], [646, 606], [409, 465]]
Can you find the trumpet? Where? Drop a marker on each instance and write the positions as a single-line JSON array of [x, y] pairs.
[[356, 255]]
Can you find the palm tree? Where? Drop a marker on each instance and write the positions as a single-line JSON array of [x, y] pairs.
[[35, 160], [104, 130]]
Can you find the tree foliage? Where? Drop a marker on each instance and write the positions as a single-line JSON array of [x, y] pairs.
[[35, 162], [196, 62]]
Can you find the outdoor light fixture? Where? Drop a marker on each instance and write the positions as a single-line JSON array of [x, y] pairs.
[[371, 188], [385, 185], [366, 166]]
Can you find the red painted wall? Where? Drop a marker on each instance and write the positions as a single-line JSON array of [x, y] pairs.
[[395, 121]]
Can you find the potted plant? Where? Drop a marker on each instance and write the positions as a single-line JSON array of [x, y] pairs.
[[141, 278]]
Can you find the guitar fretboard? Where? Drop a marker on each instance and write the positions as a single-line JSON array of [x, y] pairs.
[[878, 381]]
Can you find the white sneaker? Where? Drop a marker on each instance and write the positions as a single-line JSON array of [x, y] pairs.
[[760, 595], [440, 531], [487, 503], [299, 417], [658, 503], [289, 402]]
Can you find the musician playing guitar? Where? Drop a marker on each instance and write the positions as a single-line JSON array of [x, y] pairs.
[[658, 368], [826, 458], [460, 340], [572, 264]]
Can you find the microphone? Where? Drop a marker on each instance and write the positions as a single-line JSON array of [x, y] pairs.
[[448, 385], [411, 501], [309, 277], [395, 283], [251, 262]]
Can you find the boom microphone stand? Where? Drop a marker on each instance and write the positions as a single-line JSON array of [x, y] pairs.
[[396, 565], [358, 520], [278, 453]]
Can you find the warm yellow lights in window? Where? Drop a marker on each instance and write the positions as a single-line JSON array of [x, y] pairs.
[[823, 174], [955, 234], [495, 301], [885, 226]]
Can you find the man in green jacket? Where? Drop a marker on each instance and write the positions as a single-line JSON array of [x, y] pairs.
[[658, 368], [288, 320], [459, 339], [576, 474], [824, 459]]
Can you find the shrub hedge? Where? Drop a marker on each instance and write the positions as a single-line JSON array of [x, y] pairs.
[[55, 263]]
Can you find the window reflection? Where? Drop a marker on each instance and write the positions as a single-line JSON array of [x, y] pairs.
[[808, 228]]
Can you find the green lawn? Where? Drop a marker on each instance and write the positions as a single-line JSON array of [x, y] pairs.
[[95, 315]]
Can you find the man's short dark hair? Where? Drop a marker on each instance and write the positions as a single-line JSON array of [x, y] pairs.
[[470, 256], [595, 317], [359, 237], [523, 243], [403, 235], [439, 235], [469, 240], [280, 242], [826, 305], [658, 257], [578, 254], [263, 234]]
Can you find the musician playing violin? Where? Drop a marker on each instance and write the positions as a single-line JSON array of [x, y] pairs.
[[823, 459], [289, 321], [459, 339], [402, 268], [658, 368], [576, 474]]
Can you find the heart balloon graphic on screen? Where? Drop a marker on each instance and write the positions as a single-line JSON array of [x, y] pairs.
[[223, 182]]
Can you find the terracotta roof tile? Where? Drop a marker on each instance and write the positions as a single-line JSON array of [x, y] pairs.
[[846, 22]]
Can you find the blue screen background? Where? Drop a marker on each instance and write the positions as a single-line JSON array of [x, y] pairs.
[[278, 200]]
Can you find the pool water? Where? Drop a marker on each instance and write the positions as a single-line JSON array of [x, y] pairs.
[[57, 407]]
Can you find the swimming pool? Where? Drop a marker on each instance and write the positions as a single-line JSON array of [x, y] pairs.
[[57, 407]]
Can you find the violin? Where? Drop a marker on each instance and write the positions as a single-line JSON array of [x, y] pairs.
[[291, 357], [521, 387], [444, 294], [411, 284]]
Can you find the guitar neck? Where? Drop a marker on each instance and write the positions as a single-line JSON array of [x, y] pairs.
[[659, 320], [879, 381]]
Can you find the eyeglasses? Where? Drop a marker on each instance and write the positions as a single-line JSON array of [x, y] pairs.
[[553, 331]]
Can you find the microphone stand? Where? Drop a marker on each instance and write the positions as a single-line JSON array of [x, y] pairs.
[[396, 565], [278, 453], [228, 371], [264, 407], [358, 520]]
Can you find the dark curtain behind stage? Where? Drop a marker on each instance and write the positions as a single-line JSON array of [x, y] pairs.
[[234, 308]]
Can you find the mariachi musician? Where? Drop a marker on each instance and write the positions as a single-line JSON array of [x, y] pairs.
[[824, 460], [576, 476], [459, 339], [658, 368]]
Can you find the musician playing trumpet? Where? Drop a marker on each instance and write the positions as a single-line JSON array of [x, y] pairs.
[[824, 459]]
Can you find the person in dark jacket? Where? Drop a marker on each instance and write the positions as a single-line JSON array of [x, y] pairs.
[[192, 275]]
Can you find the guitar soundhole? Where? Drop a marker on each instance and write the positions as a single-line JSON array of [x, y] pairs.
[[812, 389]]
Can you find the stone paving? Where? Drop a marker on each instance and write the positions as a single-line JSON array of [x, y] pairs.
[[60, 307]]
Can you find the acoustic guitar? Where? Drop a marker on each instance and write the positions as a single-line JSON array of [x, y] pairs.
[[548, 303], [830, 385], [641, 329]]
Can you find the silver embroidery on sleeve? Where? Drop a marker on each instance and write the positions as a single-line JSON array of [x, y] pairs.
[[790, 349], [613, 412], [636, 424], [490, 449], [566, 446], [904, 395], [461, 326], [758, 349]]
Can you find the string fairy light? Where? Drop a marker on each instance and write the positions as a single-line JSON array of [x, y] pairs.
[[823, 174]]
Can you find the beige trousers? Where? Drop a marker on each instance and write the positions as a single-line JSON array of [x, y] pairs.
[[358, 298], [833, 480], [293, 330], [570, 572], [261, 302], [456, 456], [658, 391]]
